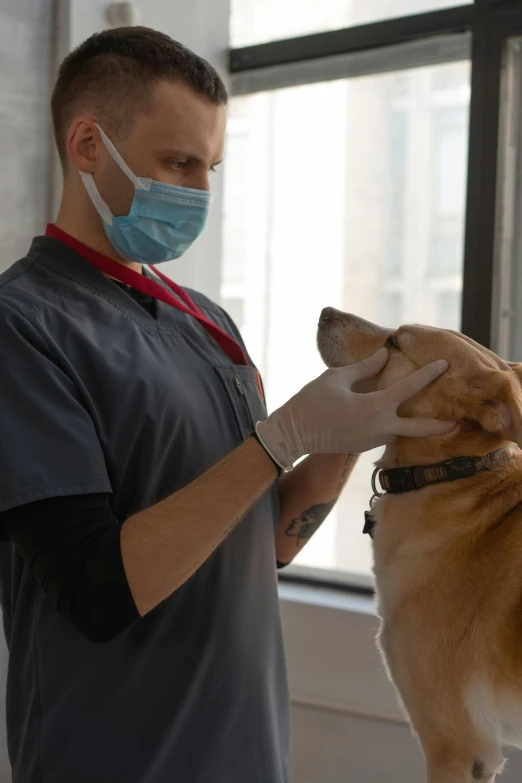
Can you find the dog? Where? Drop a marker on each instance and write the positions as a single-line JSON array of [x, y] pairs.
[[448, 545]]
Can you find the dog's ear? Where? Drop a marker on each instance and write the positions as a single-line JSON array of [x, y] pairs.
[[516, 368], [494, 401]]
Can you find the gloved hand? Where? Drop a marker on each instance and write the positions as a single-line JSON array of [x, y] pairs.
[[327, 417]]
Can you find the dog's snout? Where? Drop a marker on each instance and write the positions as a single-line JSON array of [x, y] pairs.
[[327, 315]]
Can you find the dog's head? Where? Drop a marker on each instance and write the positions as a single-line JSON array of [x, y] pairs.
[[480, 391]]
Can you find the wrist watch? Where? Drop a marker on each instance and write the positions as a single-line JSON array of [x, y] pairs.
[[280, 468]]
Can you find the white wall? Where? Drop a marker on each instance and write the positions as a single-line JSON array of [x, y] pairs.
[[335, 748], [346, 725]]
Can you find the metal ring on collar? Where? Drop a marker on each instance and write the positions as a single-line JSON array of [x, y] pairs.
[[376, 492]]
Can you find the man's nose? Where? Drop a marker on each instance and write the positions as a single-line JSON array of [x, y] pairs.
[[199, 181]]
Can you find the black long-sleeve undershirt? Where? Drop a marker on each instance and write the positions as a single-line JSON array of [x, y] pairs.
[[72, 547]]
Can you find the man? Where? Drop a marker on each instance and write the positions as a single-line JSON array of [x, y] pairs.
[[142, 516]]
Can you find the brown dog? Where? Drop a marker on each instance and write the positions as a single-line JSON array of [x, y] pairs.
[[448, 555]]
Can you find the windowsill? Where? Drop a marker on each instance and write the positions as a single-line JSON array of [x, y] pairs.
[[328, 598], [328, 578]]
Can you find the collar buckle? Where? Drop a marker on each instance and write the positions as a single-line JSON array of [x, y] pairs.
[[402, 481]]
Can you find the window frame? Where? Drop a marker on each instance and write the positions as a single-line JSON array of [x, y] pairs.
[[424, 38]]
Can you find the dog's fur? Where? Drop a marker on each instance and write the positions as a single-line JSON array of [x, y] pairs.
[[448, 558]]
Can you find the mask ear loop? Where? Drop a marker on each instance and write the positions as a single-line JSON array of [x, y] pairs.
[[99, 204], [138, 183], [101, 207]]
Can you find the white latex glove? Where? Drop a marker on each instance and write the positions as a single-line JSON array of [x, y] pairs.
[[327, 417]]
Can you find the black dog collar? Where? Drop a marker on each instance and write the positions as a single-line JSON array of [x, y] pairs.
[[398, 480]]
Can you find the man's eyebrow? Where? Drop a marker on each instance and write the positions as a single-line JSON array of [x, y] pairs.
[[186, 155]]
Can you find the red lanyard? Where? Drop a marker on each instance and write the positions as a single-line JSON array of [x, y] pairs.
[[147, 286]]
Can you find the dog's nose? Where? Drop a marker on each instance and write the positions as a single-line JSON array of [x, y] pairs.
[[327, 315]]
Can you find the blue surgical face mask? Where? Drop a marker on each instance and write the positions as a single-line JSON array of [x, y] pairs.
[[163, 222]]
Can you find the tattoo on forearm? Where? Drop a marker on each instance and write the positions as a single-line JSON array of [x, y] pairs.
[[302, 528]]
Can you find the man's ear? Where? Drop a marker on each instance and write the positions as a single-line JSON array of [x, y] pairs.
[[494, 400]]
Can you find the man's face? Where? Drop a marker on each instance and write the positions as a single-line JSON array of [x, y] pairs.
[[179, 143]]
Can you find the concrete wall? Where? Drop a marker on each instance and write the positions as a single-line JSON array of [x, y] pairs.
[[25, 72], [25, 68]]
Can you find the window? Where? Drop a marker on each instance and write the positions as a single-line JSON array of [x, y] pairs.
[[508, 322], [333, 197], [235, 228], [392, 306], [255, 22], [448, 314], [393, 259], [365, 184], [450, 149]]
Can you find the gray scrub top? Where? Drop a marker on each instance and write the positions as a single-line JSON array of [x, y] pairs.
[[98, 396]]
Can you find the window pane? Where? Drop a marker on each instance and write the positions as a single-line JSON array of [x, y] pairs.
[[507, 338], [258, 21], [352, 194]]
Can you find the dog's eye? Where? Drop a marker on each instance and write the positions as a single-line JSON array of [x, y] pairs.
[[392, 343]]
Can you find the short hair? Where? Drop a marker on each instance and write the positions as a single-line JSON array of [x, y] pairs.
[[112, 72]]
